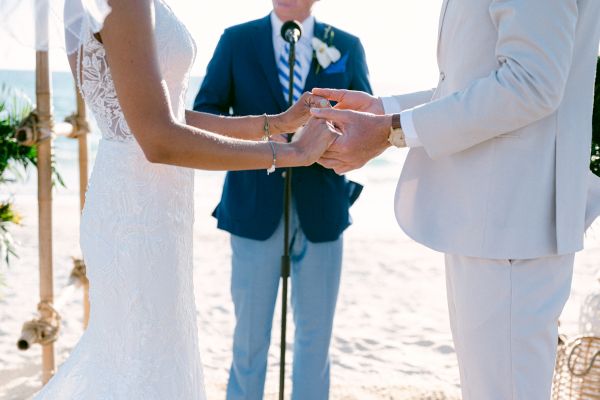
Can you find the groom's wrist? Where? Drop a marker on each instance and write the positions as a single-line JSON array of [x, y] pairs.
[[384, 130], [396, 134]]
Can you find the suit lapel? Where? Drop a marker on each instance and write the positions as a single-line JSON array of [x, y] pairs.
[[312, 80], [263, 43]]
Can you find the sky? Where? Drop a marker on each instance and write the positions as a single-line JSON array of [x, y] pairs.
[[399, 36]]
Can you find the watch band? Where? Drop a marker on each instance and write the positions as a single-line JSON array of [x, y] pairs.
[[396, 137], [396, 121]]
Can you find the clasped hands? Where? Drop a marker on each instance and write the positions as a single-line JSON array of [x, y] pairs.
[[346, 136]]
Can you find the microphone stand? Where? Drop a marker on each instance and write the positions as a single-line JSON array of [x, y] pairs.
[[287, 205]]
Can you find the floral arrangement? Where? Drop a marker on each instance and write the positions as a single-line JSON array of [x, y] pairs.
[[324, 51]]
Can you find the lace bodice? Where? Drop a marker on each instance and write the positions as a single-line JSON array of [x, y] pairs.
[[176, 52]]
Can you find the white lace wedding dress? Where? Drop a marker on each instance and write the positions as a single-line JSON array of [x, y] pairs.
[[136, 237]]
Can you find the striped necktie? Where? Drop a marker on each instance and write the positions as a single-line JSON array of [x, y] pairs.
[[283, 70]]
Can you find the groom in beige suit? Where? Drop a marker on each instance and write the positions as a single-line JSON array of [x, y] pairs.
[[497, 176]]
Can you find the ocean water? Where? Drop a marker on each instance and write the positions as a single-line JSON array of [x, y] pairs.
[[385, 168]]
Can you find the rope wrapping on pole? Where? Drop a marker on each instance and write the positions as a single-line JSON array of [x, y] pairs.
[[78, 273], [43, 330], [80, 126], [34, 129]]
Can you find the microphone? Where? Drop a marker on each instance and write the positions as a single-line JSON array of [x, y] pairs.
[[291, 31]]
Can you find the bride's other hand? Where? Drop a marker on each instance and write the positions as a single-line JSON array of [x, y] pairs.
[[352, 100], [297, 115], [312, 140]]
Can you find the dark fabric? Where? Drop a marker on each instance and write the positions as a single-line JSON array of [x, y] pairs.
[[241, 79]]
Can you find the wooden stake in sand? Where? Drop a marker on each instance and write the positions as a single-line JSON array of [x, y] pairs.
[[44, 110], [37, 131], [44, 107]]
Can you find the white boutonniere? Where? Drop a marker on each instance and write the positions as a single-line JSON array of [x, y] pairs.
[[324, 53]]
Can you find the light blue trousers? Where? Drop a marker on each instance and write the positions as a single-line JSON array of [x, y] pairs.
[[315, 279]]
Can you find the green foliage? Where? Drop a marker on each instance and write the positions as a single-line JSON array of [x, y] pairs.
[[13, 109], [7, 216], [14, 158], [595, 163]]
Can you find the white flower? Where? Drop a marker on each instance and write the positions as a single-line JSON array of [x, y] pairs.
[[325, 54]]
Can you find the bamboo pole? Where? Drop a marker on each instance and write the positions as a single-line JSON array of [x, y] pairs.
[[44, 149], [83, 130]]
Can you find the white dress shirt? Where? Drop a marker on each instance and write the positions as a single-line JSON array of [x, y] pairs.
[[304, 50]]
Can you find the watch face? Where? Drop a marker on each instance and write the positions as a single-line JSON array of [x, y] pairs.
[[397, 138]]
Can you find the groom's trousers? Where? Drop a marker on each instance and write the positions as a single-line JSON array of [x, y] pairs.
[[315, 279], [504, 321]]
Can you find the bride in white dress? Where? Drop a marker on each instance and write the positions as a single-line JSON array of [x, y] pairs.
[[136, 228]]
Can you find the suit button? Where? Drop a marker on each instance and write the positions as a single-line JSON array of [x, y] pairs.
[[442, 76]]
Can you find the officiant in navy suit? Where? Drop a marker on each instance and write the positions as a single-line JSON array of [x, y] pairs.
[[249, 74]]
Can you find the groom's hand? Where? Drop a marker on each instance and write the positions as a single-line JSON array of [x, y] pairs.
[[312, 140], [352, 100], [364, 137]]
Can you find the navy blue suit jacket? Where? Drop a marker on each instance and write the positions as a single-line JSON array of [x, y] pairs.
[[241, 79]]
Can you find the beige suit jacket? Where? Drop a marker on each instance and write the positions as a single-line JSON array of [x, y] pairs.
[[504, 167]]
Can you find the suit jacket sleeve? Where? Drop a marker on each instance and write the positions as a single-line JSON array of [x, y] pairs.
[[534, 51], [216, 92], [360, 77]]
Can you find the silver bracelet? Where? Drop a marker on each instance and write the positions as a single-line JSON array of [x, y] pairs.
[[274, 165]]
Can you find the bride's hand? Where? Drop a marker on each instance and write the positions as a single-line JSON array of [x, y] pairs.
[[298, 114], [314, 139]]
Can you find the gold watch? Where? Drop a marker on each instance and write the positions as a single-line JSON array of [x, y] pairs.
[[396, 137]]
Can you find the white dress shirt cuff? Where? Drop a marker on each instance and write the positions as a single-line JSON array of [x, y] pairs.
[[408, 127], [390, 105]]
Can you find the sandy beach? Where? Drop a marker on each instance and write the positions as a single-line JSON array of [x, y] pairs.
[[391, 336]]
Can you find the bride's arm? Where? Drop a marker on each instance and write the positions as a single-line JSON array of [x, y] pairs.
[[128, 38], [252, 127], [248, 127]]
